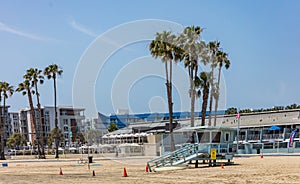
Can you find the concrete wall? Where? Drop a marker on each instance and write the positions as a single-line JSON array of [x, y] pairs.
[[150, 149]]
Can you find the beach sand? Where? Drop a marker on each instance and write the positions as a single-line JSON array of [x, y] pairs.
[[270, 169]]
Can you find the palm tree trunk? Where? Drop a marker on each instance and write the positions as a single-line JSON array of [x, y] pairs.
[[55, 116], [3, 122], [192, 96], [217, 97], [170, 104], [41, 132], [211, 97], [204, 104], [33, 122]]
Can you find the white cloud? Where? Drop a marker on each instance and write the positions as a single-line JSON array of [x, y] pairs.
[[82, 29], [89, 32], [6, 28]]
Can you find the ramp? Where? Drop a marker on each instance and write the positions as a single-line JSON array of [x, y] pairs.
[[177, 157]]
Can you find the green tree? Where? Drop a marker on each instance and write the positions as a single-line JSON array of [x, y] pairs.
[[213, 49], [26, 89], [292, 106], [164, 47], [6, 90], [80, 138], [55, 134], [52, 71], [194, 50], [221, 60], [231, 110], [112, 127], [35, 76], [202, 82], [16, 140]]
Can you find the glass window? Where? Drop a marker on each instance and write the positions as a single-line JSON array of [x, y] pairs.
[[226, 137]]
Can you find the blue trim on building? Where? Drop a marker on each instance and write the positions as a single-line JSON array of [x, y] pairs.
[[124, 119]]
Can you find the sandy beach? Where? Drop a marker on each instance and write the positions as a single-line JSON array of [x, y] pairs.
[[270, 169]]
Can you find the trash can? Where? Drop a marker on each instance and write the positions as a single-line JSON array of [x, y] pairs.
[[90, 159]]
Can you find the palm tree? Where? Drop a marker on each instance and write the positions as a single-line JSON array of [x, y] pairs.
[[34, 75], [213, 49], [26, 89], [202, 82], [6, 90], [221, 59], [194, 50], [52, 71], [164, 47]]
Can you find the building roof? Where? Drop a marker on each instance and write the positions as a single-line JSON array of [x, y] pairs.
[[58, 107], [205, 128]]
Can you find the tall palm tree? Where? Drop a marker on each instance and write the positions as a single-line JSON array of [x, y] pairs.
[[6, 90], [221, 60], [26, 89], [213, 49], [164, 47], [52, 71], [203, 83], [35, 76], [194, 49]]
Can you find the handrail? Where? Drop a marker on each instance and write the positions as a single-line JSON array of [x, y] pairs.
[[174, 158], [186, 153]]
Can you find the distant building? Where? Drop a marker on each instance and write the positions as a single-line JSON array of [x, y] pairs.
[[14, 122], [69, 121], [261, 132], [24, 124], [123, 120], [5, 118]]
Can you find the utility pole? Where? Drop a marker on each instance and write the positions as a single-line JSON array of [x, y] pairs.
[[238, 117]]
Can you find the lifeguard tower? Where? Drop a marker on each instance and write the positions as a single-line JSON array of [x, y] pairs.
[[212, 145]]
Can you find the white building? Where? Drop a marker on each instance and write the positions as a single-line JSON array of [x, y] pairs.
[[14, 122], [69, 120]]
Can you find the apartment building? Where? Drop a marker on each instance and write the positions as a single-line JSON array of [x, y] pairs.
[[69, 120], [5, 118], [14, 122]]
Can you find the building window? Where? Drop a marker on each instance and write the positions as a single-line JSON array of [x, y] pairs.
[[226, 137], [65, 122]]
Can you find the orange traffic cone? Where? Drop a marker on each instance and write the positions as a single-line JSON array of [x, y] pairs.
[[261, 156], [147, 169], [125, 172], [222, 166], [94, 173], [60, 171]]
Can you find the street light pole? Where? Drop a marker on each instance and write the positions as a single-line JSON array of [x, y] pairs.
[[238, 132]]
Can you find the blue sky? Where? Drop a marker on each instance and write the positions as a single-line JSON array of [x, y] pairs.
[[261, 37]]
